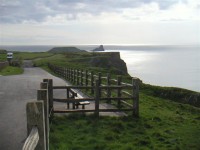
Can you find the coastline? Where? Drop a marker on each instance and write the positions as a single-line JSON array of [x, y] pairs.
[[134, 67]]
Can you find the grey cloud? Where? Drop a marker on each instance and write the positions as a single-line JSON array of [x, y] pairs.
[[18, 11]]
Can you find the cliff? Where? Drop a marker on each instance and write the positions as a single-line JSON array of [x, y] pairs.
[[173, 93], [111, 61]]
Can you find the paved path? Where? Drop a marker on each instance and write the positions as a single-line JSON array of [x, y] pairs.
[[15, 92]]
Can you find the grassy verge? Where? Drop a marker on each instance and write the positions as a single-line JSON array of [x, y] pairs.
[[163, 125], [3, 57], [11, 71]]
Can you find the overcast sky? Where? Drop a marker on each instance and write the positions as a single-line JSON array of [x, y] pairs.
[[68, 22]]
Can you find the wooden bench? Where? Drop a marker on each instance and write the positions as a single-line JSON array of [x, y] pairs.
[[83, 104], [72, 94]]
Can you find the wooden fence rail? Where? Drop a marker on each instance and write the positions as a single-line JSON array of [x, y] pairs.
[[38, 114], [102, 88]]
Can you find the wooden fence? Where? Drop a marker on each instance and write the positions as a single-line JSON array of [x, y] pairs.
[[38, 115], [102, 88], [40, 112]]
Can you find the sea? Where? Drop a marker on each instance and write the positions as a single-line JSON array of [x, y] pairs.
[[162, 65]]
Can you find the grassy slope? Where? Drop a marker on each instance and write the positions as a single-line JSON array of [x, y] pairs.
[[11, 71], [163, 124]]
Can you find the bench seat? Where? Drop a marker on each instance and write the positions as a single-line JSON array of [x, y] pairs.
[[83, 104]]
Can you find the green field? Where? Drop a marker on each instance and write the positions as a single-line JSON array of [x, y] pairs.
[[31, 55]]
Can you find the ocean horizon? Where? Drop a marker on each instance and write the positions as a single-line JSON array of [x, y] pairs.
[[162, 65]]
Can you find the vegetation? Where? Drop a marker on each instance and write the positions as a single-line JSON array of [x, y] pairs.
[[64, 50], [163, 125], [31, 56], [18, 61], [3, 57], [10, 70]]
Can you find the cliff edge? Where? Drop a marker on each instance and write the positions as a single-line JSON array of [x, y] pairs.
[[111, 61]]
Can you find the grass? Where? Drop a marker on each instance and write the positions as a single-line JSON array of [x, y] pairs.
[[31, 55], [11, 71], [3, 57], [163, 125]]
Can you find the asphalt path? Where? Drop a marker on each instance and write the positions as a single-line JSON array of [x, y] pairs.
[[15, 92]]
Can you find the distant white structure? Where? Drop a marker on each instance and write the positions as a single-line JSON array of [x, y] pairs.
[[9, 55]]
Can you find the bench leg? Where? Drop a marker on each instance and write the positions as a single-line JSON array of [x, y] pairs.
[[83, 106], [73, 105], [67, 105], [77, 105]]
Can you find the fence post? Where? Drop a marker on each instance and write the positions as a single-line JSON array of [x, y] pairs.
[[35, 117], [65, 73], [50, 92], [119, 79], [97, 98], [81, 76], [67, 98], [86, 78], [92, 82], [74, 77], [50, 95], [135, 92], [77, 76], [99, 78], [70, 75], [108, 89], [43, 95]]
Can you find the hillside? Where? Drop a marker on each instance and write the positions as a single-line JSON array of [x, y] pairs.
[[64, 50]]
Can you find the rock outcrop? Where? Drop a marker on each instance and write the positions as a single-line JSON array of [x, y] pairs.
[[100, 48], [111, 61]]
